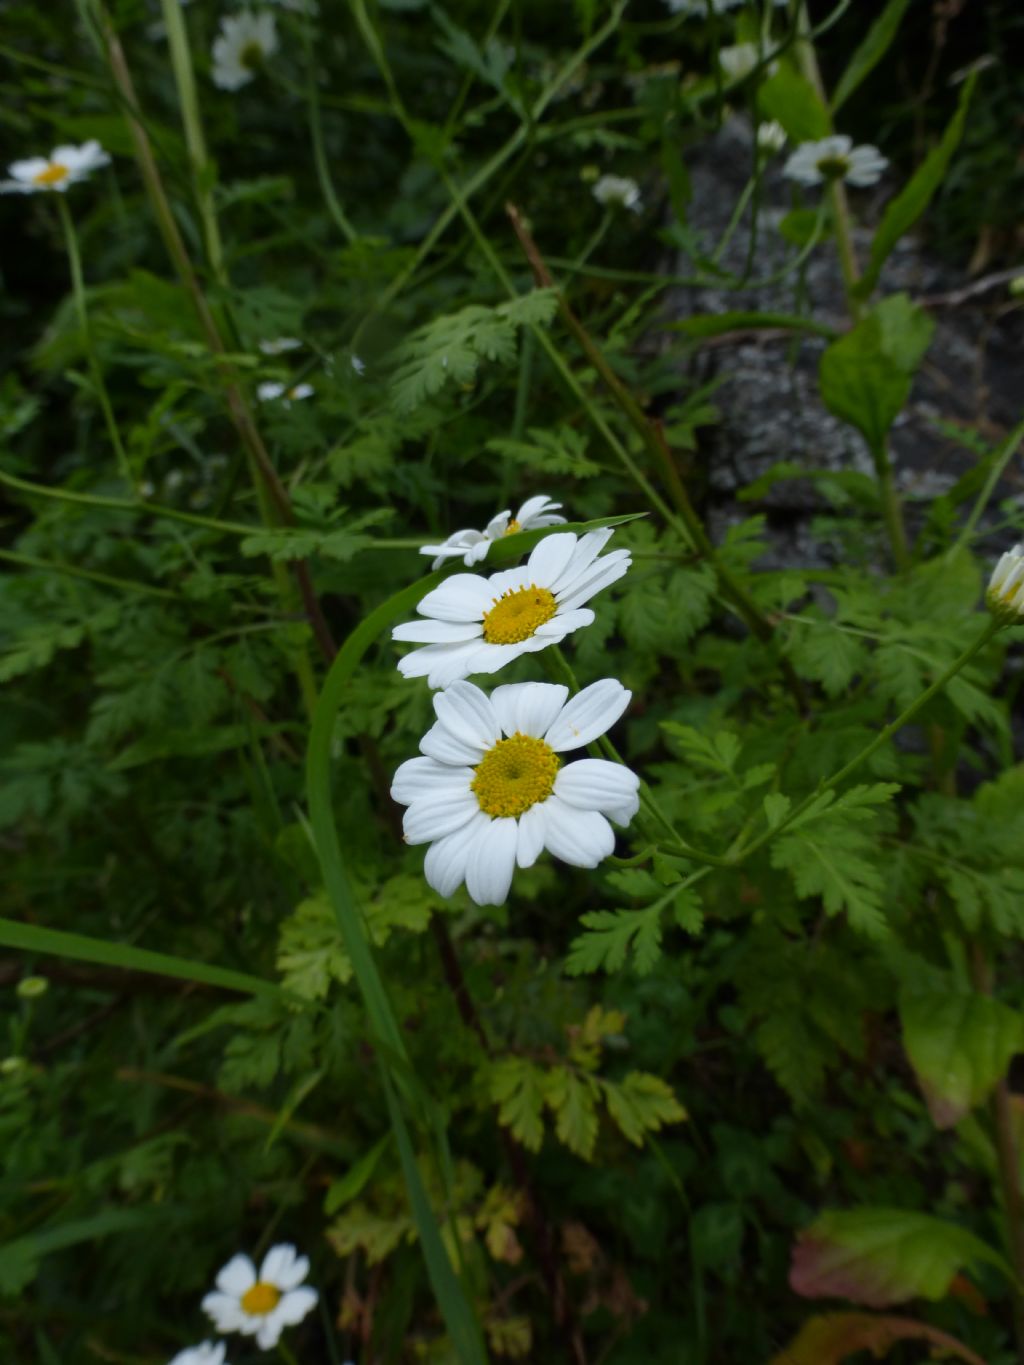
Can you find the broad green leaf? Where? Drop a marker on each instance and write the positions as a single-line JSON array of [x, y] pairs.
[[790, 97], [351, 1184], [903, 212], [879, 1257], [865, 376], [870, 51], [960, 1045], [829, 1339]]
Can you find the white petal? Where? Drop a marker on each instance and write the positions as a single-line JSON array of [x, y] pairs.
[[283, 1268], [565, 622], [589, 714], [466, 714], [550, 557], [463, 597], [582, 838], [295, 1305], [587, 549], [597, 784], [507, 580], [478, 553], [445, 864], [497, 526], [537, 506], [29, 168], [435, 632], [225, 1311], [529, 708], [439, 664], [530, 841], [439, 743], [490, 861], [237, 1276], [424, 778], [425, 821], [268, 1332], [487, 658], [583, 588]]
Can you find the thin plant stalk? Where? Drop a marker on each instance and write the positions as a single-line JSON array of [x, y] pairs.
[[995, 473], [88, 343], [316, 132]]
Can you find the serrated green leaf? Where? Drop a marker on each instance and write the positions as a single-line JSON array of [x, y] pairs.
[[517, 1087], [642, 1104], [571, 1098], [611, 935], [776, 808]]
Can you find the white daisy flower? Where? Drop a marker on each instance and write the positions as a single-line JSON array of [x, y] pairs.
[[1005, 595], [261, 1306], [207, 1353], [270, 390], [242, 47], [278, 345], [472, 546], [701, 7], [617, 191], [771, 136], [64, 166], [477, 625], [490, 791], [835, 158]]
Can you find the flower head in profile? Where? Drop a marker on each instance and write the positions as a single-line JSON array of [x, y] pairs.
[[242, 47], [65, 166], [279, 345], [771, 136], [739, 60], [262, 1305], [490, 791], [477, 625], [472, 546], [835, 158], [206, 1353], [270, 391], [617, 192], [1005, 595]]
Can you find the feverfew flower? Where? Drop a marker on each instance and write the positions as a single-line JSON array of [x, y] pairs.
[[617, 191], [702, 6], [490, 791], [261, 1306], [835, 158], [739, 60], [771, 136], [64, 166], [477, 625], [1005, 595], [242, 47], [208, 1353], [472, 546], [278, 345], [270, 390]]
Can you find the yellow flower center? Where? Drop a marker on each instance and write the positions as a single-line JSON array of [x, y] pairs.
[[53, 175], [261, 1299], [515, 775], [517, 614], [512, 527]]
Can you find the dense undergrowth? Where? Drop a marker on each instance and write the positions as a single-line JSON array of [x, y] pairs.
[[739, 1091]]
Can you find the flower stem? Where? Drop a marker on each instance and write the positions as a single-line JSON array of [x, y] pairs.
[[95, 370], [316, 131]]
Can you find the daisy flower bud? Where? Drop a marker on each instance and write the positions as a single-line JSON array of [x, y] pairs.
[[490, 792], [262, 1305], [1005, 595], [618, 192], [771, 136], [477, 625]]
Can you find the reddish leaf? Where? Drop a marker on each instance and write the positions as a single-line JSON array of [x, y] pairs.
[[829, 1339]]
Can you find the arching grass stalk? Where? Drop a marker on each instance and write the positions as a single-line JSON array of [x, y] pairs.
[[81, 310], [1003, 457], [316, 132]]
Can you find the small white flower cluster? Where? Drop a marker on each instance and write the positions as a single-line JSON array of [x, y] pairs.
[[489, 791], [56, 173], [273, 390], [259, 1305], [1005, 595], [835, 158]]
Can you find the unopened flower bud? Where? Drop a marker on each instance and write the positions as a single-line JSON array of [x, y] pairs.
[[29, 987], [1005, 595]]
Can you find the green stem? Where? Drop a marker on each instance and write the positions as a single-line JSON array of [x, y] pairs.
[[108, 580], [188, 99], [316, 131], [95, 370], [892, 509], [995, 473]]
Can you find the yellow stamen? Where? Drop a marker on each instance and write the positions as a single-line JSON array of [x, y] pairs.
[[515, 775], [53, 175], [517, 613], [512, 527], [261, 1299]]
